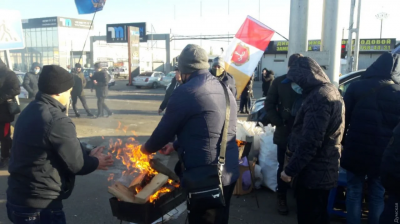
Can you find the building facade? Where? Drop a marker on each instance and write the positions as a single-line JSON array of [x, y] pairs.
[[53, 40]]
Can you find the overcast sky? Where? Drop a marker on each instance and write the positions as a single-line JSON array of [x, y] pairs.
[[195, 17]]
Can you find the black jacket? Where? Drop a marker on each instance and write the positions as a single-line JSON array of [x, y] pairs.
[[278, 106], [45, 156], [318, 128], [79, 84], [267, 80], [371, 115], [196, 114], [9, 88], [30, 83], [102, 79], [168, 93], [248, 89], [229, 81], [390, 169]]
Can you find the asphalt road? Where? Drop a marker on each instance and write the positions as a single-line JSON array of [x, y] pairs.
[[136, 111]]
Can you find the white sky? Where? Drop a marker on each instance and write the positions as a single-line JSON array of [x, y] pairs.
[[189, 18]]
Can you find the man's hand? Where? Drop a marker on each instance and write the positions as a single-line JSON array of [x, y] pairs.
[[285, 177], [160, 111], [95, 82], [105, 161], [167, 149], [96, 150]]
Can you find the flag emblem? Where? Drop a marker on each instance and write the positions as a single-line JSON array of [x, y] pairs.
[[241, 55]]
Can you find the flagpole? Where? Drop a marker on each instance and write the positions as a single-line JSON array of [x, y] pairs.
[[84, 45]]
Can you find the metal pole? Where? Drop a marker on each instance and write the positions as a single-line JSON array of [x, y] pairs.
[[357, 43], [330, 41], [349, 40], [381, 28], [298, 26], [259, 10]]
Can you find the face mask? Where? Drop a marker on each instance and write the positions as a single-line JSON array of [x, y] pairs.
[[37, 71], [217, 71], [297, 88]]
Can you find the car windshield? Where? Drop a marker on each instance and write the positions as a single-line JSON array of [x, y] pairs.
[[171, 74], [20, 79], [147, 74]]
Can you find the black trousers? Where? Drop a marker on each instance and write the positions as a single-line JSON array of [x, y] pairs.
[[282, 185], [101, 105], [5, 140], [312, 205], [391, 213], [245, 102], [214, 216], [83, 101]]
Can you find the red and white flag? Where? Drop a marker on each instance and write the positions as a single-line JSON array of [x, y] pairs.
[[245, 51]]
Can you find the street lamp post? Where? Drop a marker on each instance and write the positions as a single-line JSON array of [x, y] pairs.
[[381, 16]]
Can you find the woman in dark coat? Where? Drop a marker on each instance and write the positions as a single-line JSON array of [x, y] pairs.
[[267, 78]]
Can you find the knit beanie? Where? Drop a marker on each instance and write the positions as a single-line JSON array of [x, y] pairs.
[[34, 65], [78, 65], [192, 58], [219, 61], [55, 80]]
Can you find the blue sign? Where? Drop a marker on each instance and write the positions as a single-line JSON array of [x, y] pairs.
[[89, 6], [11, 35], [117, 33]]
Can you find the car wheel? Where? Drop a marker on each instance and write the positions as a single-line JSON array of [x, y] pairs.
[[138, 87], [155, 85]]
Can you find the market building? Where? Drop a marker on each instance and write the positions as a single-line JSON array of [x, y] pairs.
[[53, 40]]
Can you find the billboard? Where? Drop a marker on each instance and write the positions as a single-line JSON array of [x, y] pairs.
[[118, 33], [133, 51], [11, 35], [56, 22]]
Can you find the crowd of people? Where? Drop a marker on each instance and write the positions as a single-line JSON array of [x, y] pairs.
[[317, 131]]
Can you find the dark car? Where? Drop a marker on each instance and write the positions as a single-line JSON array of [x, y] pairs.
[[258, 113]]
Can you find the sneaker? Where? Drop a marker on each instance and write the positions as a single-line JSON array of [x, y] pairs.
[[77, 115], [282, 205], [4, 163], [109, 115], [90, 115]]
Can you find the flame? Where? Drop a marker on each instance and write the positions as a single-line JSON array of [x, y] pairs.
[[125, 129], [157, 195], [111, 177], [119, 126], [240, 143]]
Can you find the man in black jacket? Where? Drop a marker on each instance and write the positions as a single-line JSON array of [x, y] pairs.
[[245, 98], [267, 79], [9, 88], [78, 91], [279, 106], [372, 112], [315, 141], [196, 114], [47, 154], [218, 70], [100, 81], [31, 80], [390, 177], [175, 82]]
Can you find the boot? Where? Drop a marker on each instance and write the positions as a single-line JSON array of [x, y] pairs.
[[282, 204], [4, 163]]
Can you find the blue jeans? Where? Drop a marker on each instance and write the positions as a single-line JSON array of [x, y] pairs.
[[25, 215], [355, 184]]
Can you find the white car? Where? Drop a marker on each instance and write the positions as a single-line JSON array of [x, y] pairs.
[[148, 79], [24, 94], [166, 81]]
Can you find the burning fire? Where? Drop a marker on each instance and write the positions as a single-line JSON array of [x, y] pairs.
[[240, 143], [136, 162], [111, 177]]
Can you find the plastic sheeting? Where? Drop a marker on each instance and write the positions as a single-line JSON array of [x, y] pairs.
[[268, 158]]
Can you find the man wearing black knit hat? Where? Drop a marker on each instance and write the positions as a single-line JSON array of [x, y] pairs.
[[47, 154]]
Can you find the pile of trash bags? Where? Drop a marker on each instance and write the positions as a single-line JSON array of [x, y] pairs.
[[265, 171]]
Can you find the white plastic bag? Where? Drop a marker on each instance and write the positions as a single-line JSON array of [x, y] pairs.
[[268, 158], [250, 129]]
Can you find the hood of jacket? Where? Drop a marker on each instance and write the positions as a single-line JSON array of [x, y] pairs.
[[307, 74], [34, 65], [387, 66]]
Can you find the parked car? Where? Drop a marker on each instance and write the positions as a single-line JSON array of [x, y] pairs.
[[258, 113], [148, 79], [87, 72], [166, 81], [119, 72]]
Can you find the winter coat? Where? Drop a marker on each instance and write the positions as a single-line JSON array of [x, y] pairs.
[[318, 128], [229, 81], [9, 88], [30, 83], [79, 85], [278, 105], [372, 112], [248, 89], [45, 156], [168, 93], [196, 114], [390, 169], [102, 79], [267, 80]]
